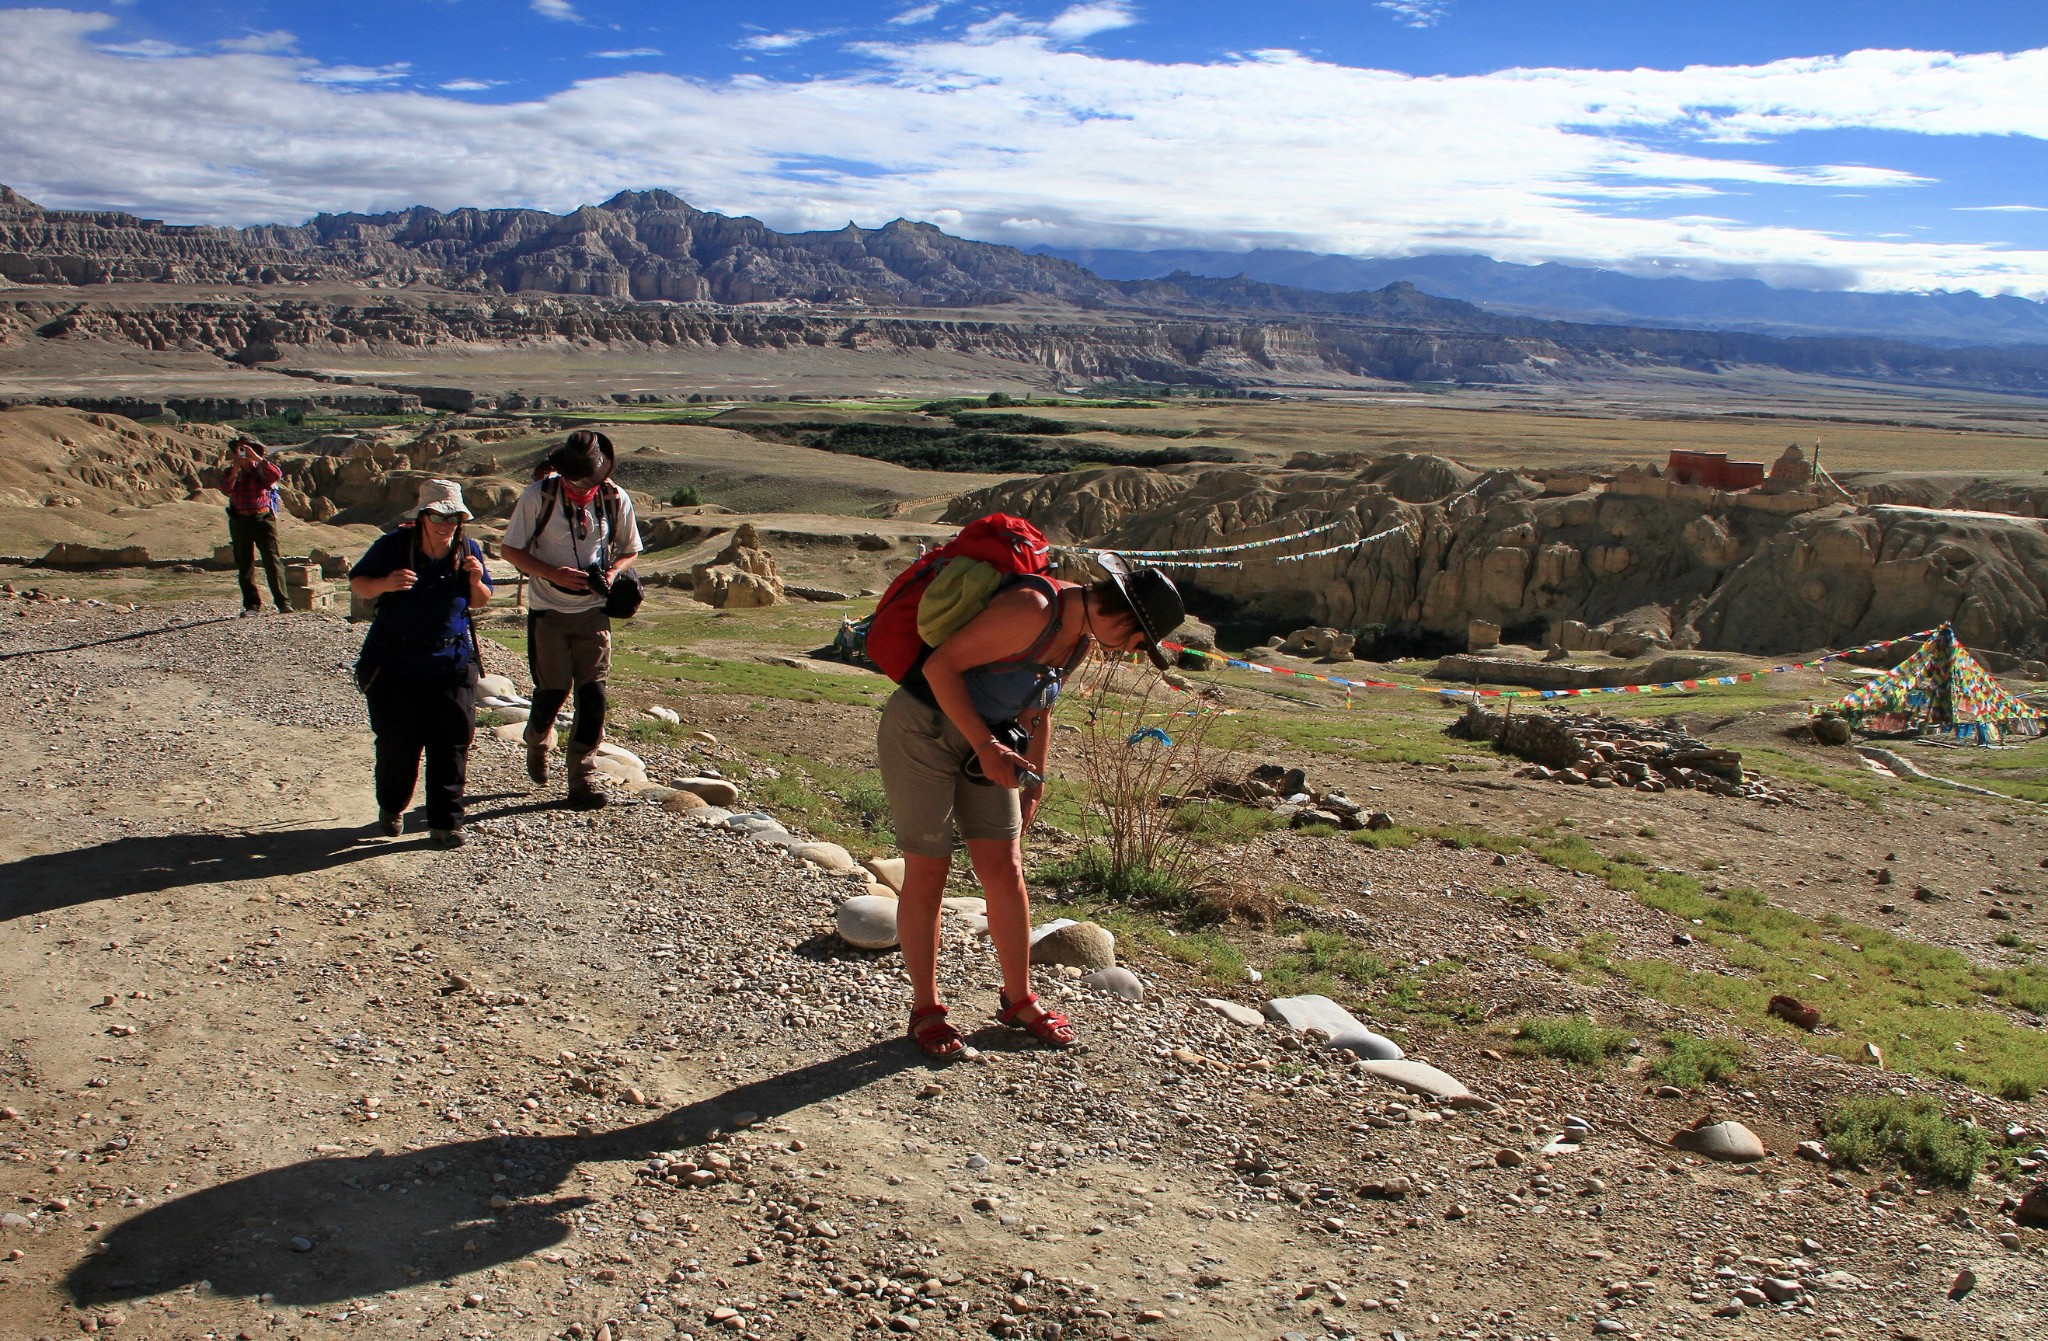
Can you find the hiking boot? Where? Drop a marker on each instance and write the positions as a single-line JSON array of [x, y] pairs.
[[390, 823], [584, 792], [537, 760], [250, 610], [446, 837]]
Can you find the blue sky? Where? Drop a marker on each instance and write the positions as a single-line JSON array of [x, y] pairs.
[[1874, 145]]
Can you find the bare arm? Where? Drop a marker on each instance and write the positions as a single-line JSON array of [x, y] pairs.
[[1011, 623]]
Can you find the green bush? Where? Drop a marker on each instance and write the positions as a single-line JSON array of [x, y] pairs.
[[1914, 1133], [1694, 1063], [1571, 1038], [688, 496]]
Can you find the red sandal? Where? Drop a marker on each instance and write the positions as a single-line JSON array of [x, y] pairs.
[[1048, 1027], [934, 1036]]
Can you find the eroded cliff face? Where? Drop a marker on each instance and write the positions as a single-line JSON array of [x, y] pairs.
[[1659, 563], [1218, 353]]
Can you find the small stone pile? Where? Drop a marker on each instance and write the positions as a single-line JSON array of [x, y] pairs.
[[1285, 791], [1586, 749]]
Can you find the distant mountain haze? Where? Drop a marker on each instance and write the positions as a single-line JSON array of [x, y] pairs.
[[1578, 293]]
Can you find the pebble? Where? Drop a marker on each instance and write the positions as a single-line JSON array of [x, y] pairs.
[[867, 922]]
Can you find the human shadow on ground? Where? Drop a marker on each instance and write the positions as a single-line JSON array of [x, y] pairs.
[[323, 1230], [154, 864]]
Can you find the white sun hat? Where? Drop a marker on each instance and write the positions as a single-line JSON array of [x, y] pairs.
[[444, 497]]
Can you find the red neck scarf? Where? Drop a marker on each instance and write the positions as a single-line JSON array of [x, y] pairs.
[[580, 497]]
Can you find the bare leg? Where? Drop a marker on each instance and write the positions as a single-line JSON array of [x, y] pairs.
[[999, 863], [917, 925]]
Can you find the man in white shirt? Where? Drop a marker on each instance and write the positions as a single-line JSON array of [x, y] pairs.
[[571, 519]]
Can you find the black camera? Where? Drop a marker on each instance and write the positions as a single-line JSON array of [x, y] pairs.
[[600, 581], [1011, 737]]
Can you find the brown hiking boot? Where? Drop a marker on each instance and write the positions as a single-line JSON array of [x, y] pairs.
[[537, 760], [584, 792]]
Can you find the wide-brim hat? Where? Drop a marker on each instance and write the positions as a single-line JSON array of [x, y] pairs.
[[1154, 601], [444, 497]]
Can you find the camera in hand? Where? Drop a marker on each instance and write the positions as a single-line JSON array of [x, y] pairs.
[[600, 581], [1011, 737]]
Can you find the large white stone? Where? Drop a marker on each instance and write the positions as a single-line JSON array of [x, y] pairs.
[[827, 857], [1420, 1077], [1081, 945], [867, 922], [661, 714], [1319, 1013], [711, 815], [716, 791], [496, 686], [1233, 1012], [1728, 1141], [888, 870], [1117, 981]]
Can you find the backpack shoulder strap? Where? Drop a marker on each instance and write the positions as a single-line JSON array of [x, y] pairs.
[[1052, 625], [550, 493]]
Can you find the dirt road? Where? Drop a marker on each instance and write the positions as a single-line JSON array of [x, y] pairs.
[[610, 1075]]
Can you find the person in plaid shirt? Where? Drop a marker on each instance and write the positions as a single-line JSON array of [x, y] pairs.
[[250, 482]]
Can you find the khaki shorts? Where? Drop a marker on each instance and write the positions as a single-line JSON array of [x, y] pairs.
[[921, 754]]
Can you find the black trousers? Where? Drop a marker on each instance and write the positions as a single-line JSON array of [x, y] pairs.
[[413, 717], [249, 537]]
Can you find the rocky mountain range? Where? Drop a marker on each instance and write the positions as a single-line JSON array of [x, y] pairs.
[[1581, 293], [646, 269]]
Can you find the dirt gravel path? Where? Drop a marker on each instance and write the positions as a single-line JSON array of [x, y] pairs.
[[610, 1075]]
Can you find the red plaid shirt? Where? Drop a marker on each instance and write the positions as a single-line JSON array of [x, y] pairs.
[[250, 490]]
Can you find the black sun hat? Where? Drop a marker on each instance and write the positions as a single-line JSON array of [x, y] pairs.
[[1153, 599]]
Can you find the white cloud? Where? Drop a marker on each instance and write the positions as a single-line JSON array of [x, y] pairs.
[[1415, 13], [1010, 136], [918, 14], [471, 85], [776, 43], [556, 9], [626, 54], [277, 39], [148, 49], [358, 74], [1079, 22]]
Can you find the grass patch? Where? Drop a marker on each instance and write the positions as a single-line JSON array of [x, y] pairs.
[[1570, 1038], [1325, 963], [1915, 1134], [1399, 836], [1933, 1011], [1694, 1063], [1522, 898], [1091, 873], [1224, 823], [839, 805]]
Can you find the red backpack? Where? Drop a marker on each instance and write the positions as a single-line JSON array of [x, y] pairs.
[[1011, 545]]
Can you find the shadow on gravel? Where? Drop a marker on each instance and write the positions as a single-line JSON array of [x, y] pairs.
[[152, 865], [337, 1228]]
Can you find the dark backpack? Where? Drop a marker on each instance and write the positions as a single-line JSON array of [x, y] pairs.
[[1009, 544]]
